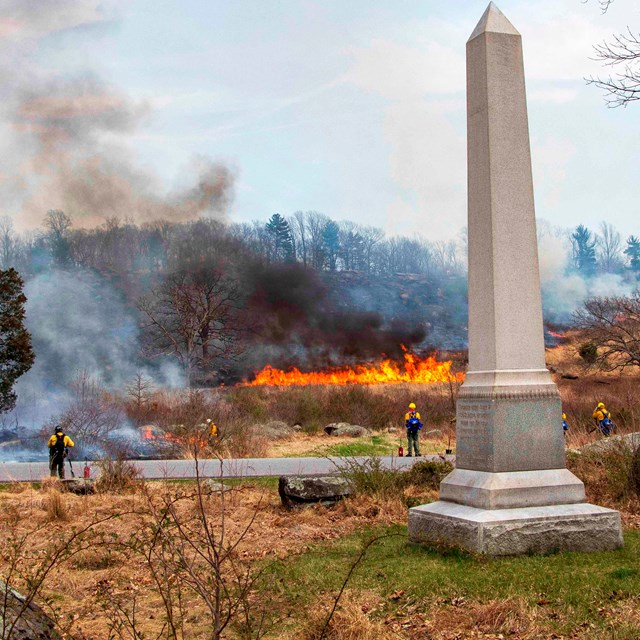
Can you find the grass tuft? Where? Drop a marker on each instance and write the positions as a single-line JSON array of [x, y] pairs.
[[117, 476], [349, 621], [55, 506]]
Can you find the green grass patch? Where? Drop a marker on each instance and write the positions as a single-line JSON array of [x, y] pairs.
[[266, 482], [573, 585], [369, 446], [385, 444], [17, 487], [263, 482]]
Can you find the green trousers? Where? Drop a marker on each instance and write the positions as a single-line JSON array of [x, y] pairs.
[[412, 440]]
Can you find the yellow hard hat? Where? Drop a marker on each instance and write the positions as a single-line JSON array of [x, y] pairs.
[[564, 416], [412, 405], [600, 405]]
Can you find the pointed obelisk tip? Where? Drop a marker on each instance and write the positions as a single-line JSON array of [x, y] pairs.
[[495, 21]]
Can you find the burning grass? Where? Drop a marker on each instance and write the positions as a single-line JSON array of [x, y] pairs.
[[413, 370]]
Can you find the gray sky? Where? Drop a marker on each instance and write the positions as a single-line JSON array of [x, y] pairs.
[[355, 109]]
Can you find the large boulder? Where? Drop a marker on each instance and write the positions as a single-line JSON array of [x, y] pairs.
[[346, 429], [276, 430], [630, 440], [298, 490], [30, 621]]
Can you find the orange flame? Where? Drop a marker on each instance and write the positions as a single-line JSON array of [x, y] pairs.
[[556, 335], [426, 371]]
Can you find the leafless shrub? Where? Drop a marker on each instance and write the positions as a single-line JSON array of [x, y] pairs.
[[92, 414], [612, 326], [189, 553]]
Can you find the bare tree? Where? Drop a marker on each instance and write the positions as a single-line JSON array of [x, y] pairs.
[[370, 238], [8, 243], [298, 224], [58, 224], [316, 223], [192, 316], [610, 248], [140, 390], [446, 256], [623, 53], [604, 4], [403, 255], [612, 326], [351, 246]]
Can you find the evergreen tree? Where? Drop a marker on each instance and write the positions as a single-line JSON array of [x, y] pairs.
[[279, 231], [633, 251], [16, 354], [331, 243], [584, 251]]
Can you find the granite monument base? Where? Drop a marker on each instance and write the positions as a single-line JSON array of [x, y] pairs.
[[503, 532], [511, 489]]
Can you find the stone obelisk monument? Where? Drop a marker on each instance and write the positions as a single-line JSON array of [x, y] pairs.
[[511, 491]]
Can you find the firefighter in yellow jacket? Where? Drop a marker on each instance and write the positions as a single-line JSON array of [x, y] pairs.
[[413, 425], [603, 419], [58, 445]]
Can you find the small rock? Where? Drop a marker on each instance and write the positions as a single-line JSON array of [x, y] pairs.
[[211, 485], [79, 486], [31, 622], [297, 490], [432, 433]]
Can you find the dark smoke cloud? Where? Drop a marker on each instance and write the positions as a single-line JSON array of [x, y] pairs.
[[66, 138], [301, 325]]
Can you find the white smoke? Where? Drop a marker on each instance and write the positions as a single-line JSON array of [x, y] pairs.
[[564, 291], [79, 325]]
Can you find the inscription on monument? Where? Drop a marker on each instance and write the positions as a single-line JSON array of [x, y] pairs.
[[473, 427]]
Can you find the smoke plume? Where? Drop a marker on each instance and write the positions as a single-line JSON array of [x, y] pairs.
[[66, 137], [302, 325], [564, 291], [80, 326]]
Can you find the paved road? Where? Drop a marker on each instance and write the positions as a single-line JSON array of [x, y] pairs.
[[241, 468]]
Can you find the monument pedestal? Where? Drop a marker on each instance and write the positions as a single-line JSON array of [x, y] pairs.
[[512, 489], [500, 532]]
